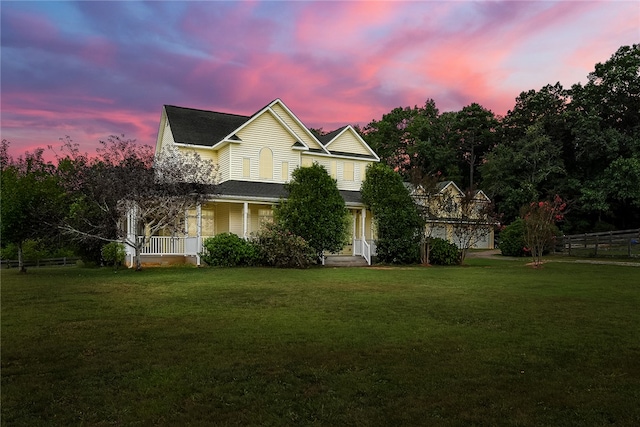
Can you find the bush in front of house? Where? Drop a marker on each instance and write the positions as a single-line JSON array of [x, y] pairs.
[[512, 239], [280, 247], [113, 253], [396, 216], [229, 250], [443, 252]]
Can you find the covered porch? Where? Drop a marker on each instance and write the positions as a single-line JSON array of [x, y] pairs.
[[244, 218]]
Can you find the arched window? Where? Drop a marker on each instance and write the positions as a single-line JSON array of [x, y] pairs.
[[266, 163]]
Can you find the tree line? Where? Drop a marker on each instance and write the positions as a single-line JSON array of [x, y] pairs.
[[580, 143]]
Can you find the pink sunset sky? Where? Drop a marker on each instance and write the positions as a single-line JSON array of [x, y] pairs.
[[92, 69]]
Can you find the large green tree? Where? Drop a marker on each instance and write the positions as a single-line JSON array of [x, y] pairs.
[[32, 202], [314, 209], [474, 132], [397, 219], [604, 115], [518, 172], [413, 138]]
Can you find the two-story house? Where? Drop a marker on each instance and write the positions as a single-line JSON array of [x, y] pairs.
[[256, 155], [457, 217]]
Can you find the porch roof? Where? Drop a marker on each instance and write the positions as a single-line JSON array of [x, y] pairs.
[[270, 191]]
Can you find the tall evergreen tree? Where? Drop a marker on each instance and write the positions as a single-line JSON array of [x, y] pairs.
[[314, 209]]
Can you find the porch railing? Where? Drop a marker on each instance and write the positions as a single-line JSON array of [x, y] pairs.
[[167, 245], [161, 245], [357, 247], [366, 251]]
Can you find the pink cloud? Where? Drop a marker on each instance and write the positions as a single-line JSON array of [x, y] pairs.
[[332, 62], [339, 27]]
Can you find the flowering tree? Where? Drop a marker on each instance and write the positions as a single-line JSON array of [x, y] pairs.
[[473, 219], [126, 181], [540, 229]]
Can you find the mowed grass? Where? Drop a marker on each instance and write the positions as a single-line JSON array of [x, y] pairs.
[[491, 343]]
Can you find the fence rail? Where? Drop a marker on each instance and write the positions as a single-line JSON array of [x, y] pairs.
[[622, 243], [46, 262]]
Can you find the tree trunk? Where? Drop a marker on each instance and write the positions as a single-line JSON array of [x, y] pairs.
[[463, 255], [21, 267], [136, 257]]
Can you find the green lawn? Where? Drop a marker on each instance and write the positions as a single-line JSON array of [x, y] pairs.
[[491, 343]]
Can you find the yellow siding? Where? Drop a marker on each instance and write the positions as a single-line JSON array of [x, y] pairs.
[[236, 219], [222, 218], [224, 156], [290, 121], [359, 167], [205, 154], [306, 162], [348, 143], [192, 222], [208, 221], [166, 137], [257, 215], [263, 132], [246, 167], [347, 171]]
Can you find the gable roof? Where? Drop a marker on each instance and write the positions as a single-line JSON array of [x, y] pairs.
[[191, 126], [201, 127], [268, 110], [328, 138]]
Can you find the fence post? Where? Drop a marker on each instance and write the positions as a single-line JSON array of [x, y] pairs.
[[597, 240]]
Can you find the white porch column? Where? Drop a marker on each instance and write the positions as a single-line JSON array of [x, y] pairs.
[[198, 232], [131, 234], [245, 220], [198, 220], [354, 233], [363, 221]]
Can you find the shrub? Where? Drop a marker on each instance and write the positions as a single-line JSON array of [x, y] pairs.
[[281, 248], [229, 250], [396, 216], [512, 239], [314, 209], [113, 253], [443, 252]]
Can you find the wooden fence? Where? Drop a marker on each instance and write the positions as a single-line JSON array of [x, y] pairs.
[[47, 262], [622, 243]]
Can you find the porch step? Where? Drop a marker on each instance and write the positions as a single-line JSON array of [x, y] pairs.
[[345, 261]]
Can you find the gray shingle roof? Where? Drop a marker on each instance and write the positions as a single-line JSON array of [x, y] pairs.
[[327, 137], [269, 191], [266, 190], [201, 127]]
